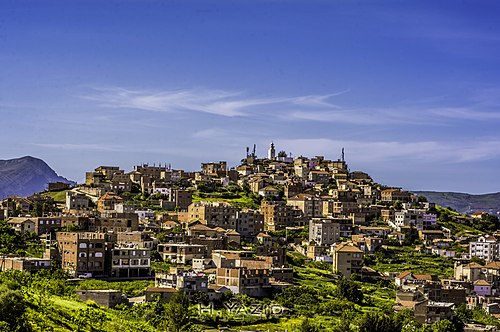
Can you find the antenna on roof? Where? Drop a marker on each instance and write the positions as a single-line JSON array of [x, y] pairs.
[[254, 147], [343, 155]]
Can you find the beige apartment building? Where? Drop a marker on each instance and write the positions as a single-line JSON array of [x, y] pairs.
[[311, 206], [347, 259], [278, 215], [217, 214], [242, 280]]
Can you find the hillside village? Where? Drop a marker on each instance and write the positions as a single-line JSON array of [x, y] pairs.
[[257, 230]]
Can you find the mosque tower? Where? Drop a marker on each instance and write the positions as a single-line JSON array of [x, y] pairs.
[[271, 153]]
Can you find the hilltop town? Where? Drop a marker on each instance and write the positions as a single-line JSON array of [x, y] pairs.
[[307, 235]]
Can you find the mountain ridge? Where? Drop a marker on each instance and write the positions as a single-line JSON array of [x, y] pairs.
[[25, 176], [464, 202]]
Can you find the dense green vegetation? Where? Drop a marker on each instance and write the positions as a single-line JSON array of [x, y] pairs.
[[47, 302], [446, 219], [22, 244], [407, 258], [240, 197]]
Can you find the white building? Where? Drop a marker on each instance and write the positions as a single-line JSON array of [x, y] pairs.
[[419, 218], [145, 214], [76, 201], [486, 247], [324, 231]]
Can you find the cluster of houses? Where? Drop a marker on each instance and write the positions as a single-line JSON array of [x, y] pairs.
[[215, 247], [433, 299], [475, 283]]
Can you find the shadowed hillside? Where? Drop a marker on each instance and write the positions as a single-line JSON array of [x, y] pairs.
[[26, 176]]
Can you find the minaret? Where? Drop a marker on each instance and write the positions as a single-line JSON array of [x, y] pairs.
[[271, 153]]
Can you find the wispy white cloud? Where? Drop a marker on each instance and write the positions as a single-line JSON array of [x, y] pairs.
[[318, 100], [369, 116], [415, 115], [316, 108], [211, 133], [165, 101], [388, 151], [217, 102], [465, 113]]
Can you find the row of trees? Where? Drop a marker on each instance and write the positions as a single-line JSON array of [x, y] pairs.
[[12, 242]]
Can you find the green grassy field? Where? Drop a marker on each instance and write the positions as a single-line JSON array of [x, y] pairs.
[[399, 259], [58, 196], [241, 202]]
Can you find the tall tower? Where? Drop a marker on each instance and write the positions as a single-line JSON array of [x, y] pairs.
[[271, 153]]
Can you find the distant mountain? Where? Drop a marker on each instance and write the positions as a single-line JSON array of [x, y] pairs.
[[464, 203], [26, 176]]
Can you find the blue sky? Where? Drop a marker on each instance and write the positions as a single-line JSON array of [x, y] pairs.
[[410, 89]]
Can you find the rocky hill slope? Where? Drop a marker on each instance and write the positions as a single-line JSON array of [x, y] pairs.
[[26, 176]]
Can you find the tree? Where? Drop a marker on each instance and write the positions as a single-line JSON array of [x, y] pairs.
[[344, 324], [176, 314], [307, 326], [15, 279], [406, 322], [335, 307], [443, 326], [12, 307], [422, 199], [377, 322], [91, 318], [444, 215], [297, 296], [464, 314], [282, 154], [4, 327], [478, 260], [489, 224], [398, 205], [349, 290]]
